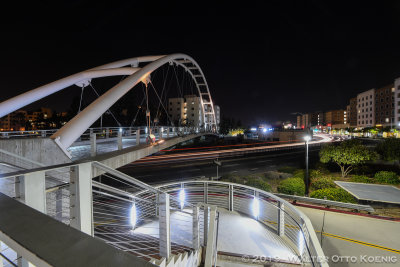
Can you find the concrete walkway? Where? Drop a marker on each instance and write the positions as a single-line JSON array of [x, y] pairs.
[[236, 234]]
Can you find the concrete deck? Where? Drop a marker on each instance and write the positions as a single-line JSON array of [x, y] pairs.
[[237, 234]]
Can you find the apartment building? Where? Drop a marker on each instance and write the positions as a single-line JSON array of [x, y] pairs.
[[397, 102], [352, 112], [384, 106], [366, 109]]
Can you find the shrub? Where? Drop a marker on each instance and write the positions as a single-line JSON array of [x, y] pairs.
[[274, 175], [299, 174], [361, 179], [335, 194], [321, 183], [315, 174], [260, 184], [389, 149], [386, 177], [292, 186], [287, 169]]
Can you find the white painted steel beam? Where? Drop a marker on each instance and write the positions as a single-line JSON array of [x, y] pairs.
[[31, 96]]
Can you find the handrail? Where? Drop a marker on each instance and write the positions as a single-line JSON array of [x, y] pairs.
[[302, 224], [328, 202]]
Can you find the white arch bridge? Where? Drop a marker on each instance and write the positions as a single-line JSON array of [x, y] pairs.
[[78, 126]]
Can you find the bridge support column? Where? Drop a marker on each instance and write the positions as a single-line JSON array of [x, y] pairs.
[[119, 140], [81, 198], [164, 226], [231, 197], [93, 145], [32, 190], [281, 219], [138, 137], [196, 227]]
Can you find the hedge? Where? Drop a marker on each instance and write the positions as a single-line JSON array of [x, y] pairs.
[[292, 186], [287, 169], [335, 194], [362, 179], [386, 177], [260, 184], [321, 183]]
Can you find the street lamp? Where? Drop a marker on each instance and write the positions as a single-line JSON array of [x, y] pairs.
[[307, 181]]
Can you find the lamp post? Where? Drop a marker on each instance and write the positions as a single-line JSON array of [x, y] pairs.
[[307, 179]]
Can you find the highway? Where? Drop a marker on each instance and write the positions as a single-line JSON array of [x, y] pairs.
[[191, 164]]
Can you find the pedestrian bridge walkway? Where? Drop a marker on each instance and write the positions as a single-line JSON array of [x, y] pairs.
[[189, 223]]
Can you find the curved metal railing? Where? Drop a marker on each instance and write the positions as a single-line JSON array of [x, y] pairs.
[[276, 213]]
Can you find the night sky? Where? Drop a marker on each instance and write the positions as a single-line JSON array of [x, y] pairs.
[[262, 62]]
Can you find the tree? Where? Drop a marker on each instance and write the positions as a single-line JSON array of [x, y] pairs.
[[346, 155]]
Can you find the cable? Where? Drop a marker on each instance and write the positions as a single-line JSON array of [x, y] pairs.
[[160, 101], [80, 101], [119, 124]]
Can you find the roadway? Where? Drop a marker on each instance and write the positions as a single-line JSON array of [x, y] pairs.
[[183, 168], [356, 236]]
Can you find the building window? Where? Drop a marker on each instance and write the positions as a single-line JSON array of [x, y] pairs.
[[370, 121], [370, 109]]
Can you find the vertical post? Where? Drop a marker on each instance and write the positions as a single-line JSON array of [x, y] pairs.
[[32, 190], [164, 226], [211, 237], [119, 140], [281, 219], [196, 227], [43, 133], [138, 137], [168, 132], [93, 145], [307, 178], [205, 223], [107, 133], [90, 131], [205, 194], [157, 206], [130, 131], [159, 132], [81, 198], [231, 197]]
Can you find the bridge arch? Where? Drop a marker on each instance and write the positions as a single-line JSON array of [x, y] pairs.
[[71, 131]]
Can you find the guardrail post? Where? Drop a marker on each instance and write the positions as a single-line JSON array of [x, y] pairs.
[[93, 145], [205, 194], [107, 133], [43, 132], [196, 227], [119, 140], [212, 232], [231, 197], [168, 132], [81, 198], [1, 259], [281, 219], [205, 223], [138, 136], [32, 190], [90, 131], [164, 226], [157, 206]]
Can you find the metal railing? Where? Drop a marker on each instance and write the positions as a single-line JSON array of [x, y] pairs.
[[275, 212], [328, 203]]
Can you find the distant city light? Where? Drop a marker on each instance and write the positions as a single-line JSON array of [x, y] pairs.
[[182, 197], [256, 207], [133, 215], [253, 129], [264, 130]]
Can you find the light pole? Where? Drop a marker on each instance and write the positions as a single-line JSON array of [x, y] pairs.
[[307, 179]]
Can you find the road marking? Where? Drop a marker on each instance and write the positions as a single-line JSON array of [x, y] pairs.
[[360, 242], [345, 239], [233, 171], [253, 169]]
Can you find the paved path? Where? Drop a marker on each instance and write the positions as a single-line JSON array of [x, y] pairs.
[[373, 192]]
